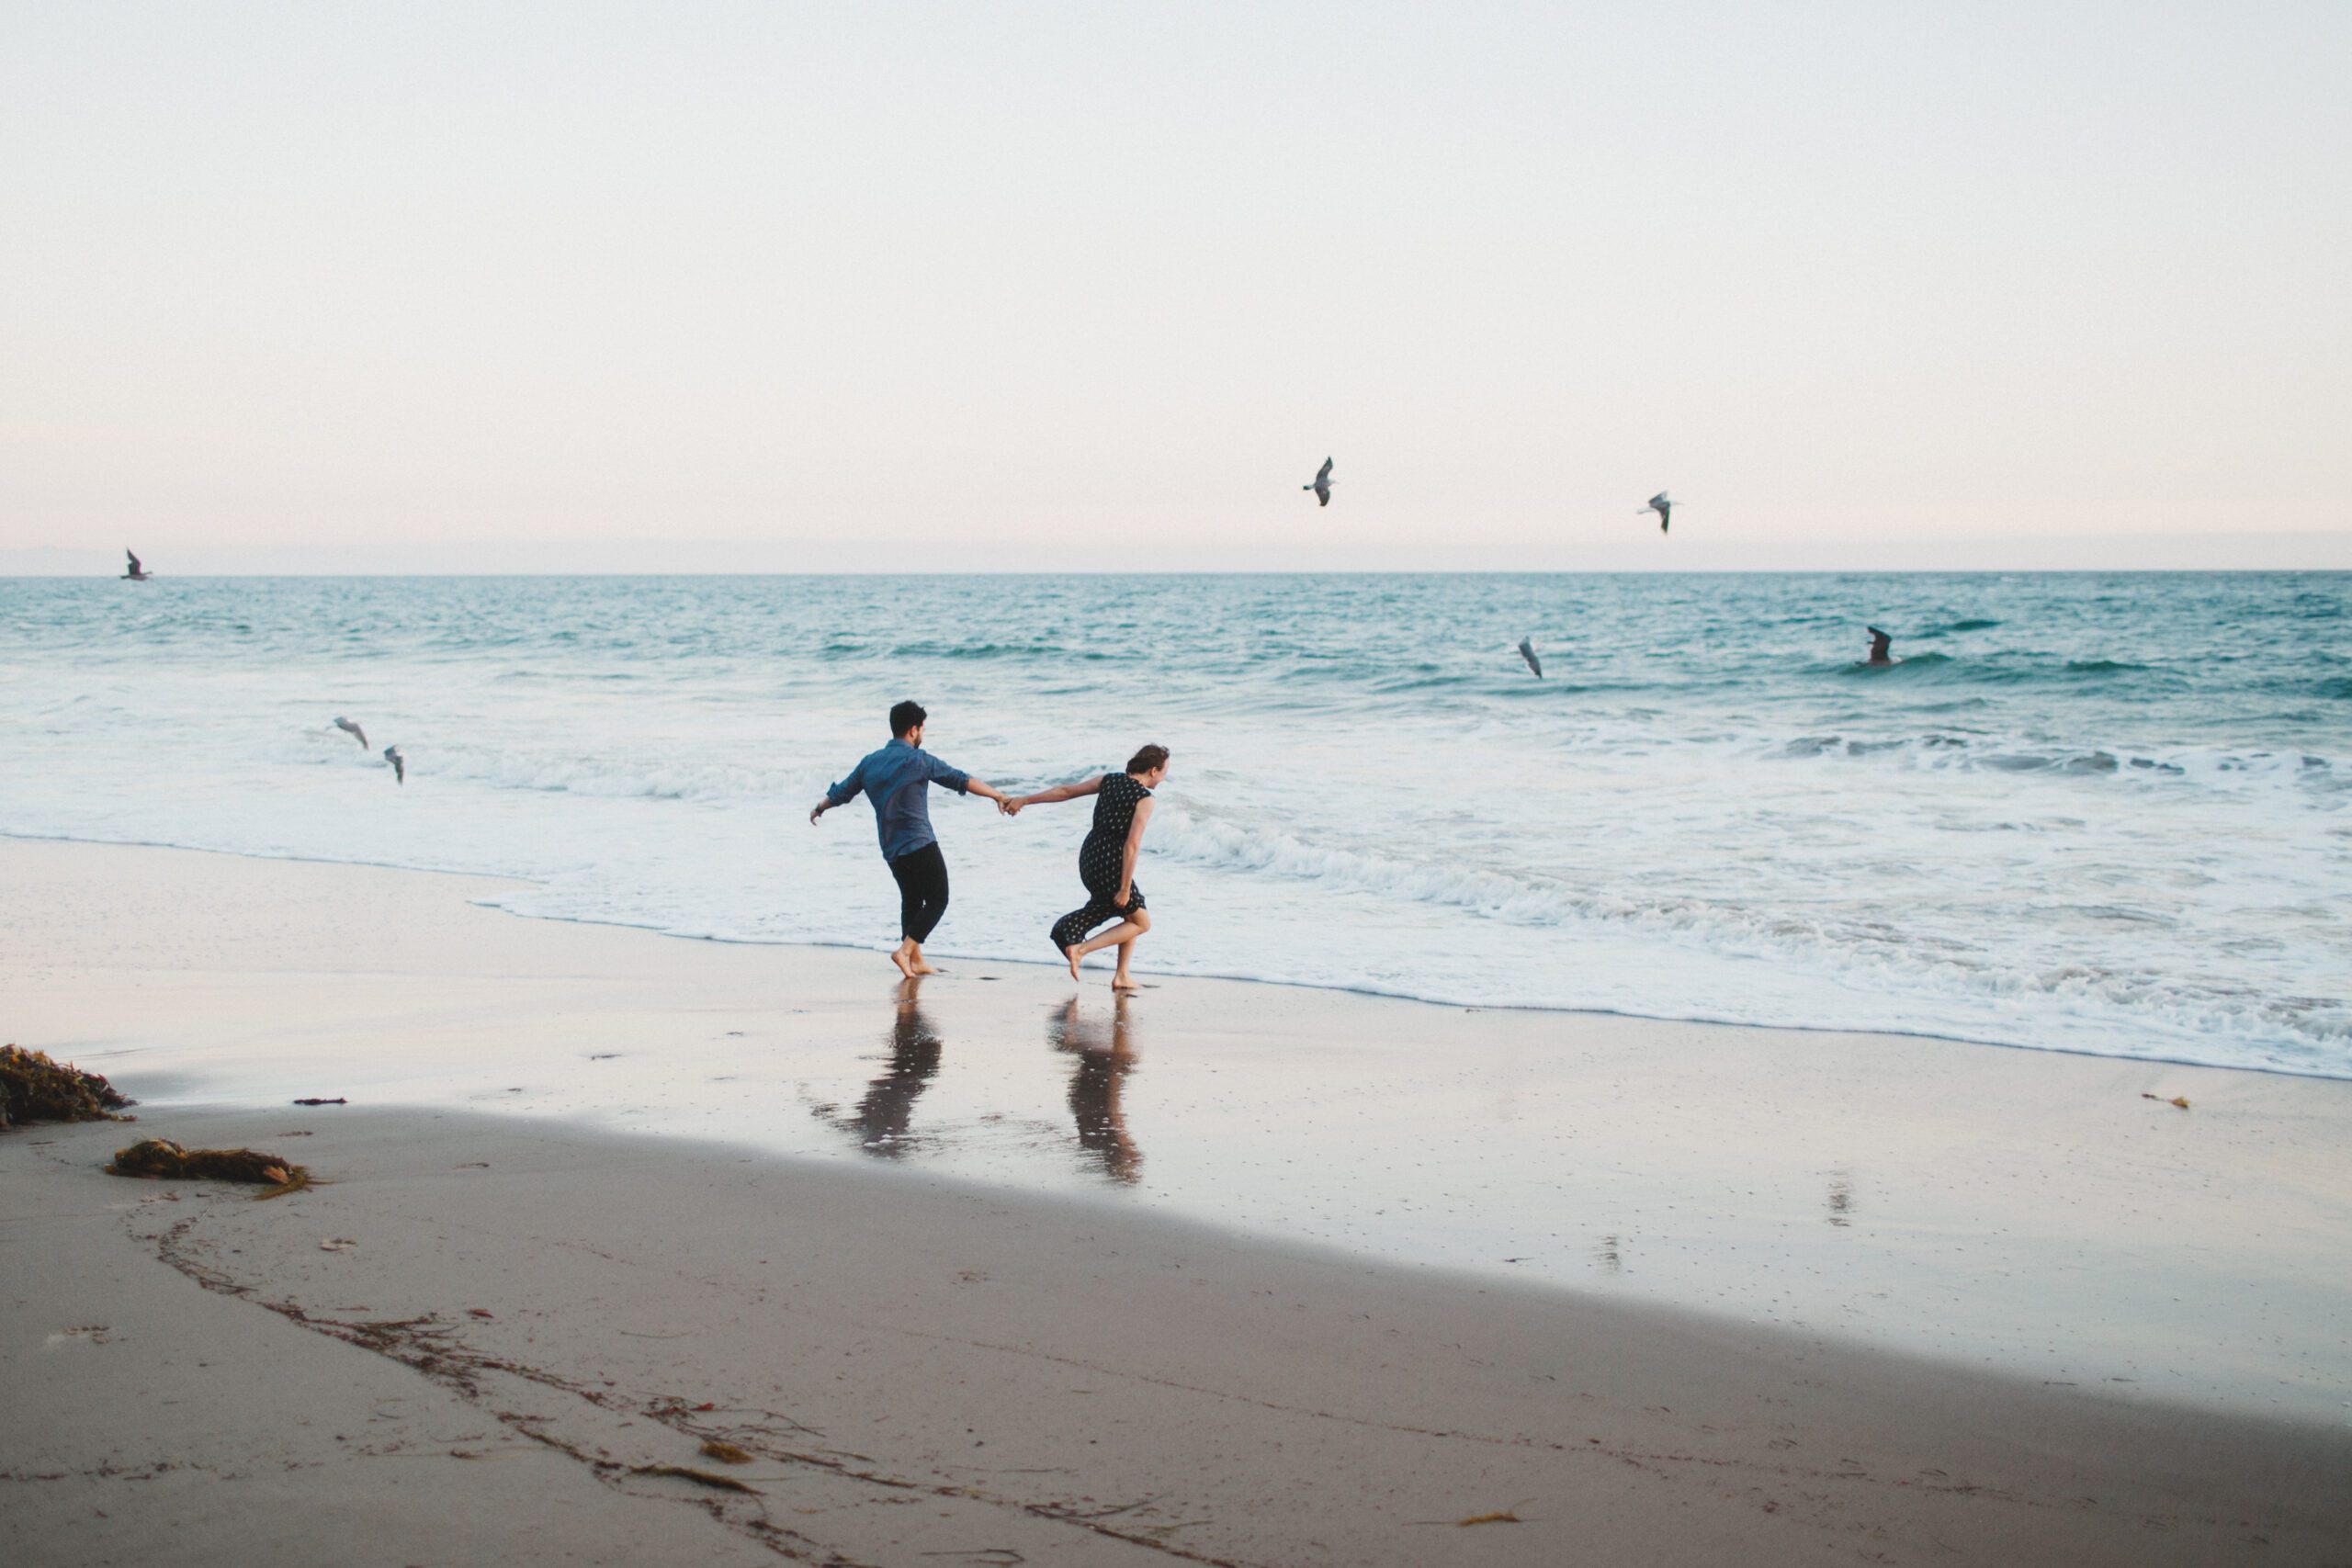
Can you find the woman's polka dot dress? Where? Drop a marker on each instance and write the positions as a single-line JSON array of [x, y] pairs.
[[1100, 861]]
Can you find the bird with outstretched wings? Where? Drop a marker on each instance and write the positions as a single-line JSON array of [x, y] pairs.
[[1322, 485]]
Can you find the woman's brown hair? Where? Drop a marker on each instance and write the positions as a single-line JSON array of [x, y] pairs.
[[1150, 757]]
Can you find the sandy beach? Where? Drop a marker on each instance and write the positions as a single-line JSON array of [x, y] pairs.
[[1237, 1274]]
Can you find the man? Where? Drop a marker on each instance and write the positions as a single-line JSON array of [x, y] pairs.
[[897, 781]]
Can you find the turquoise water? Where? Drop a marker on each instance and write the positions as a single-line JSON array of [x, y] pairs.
[[2102, 813]]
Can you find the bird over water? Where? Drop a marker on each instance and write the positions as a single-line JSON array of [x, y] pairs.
[[1663, 507], [1322, 485], [353, 730]]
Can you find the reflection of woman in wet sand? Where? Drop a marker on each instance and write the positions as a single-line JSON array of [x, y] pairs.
[[1102, 1067], [882, 1117], [1106, 862]]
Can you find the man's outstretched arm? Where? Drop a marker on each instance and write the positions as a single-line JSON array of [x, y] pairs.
[[962, 783]]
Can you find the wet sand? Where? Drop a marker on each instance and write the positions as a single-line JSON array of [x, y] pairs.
[[1265, 1276]]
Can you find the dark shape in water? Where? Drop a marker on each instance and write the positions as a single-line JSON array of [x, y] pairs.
[[1527, 651], [1882, 645], [33, 1088], [1841, 1198]]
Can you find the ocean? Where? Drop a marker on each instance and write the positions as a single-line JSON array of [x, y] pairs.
[[2102, 813]]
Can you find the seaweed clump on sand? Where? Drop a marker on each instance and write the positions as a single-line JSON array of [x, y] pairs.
[[161, 1157], [35, 1088]]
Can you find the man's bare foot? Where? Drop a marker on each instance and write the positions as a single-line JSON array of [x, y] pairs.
[[1071, 953], [898, 957], [1124, 983]]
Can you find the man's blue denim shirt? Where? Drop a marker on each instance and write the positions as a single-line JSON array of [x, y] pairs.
[[896, 779]]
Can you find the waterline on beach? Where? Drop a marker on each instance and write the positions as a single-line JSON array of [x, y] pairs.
[[1996, 1209]]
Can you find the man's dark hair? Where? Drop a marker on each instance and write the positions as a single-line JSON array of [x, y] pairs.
[[906, 715]]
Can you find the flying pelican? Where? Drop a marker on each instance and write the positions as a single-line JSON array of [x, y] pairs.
[[1322, 485], [1527, 651], [1879, 644], [137, 574], [398, 763], [1663, 507], [353, 730]]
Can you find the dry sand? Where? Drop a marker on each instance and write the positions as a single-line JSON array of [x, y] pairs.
[[519, 1312]]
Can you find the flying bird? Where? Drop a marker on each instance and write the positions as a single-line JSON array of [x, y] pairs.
[[1880, 644], [1663, 507], [137, 574], [353, 730], [398, 763], [1527, 651], [1322, 485]]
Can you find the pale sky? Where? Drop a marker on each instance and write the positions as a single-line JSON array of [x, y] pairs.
[[481, 286]]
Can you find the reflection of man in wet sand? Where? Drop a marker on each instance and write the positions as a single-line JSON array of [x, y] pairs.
[[881, 1119], [1101, 1067]]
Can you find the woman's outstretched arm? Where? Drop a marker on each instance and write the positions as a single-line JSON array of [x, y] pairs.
[[1060, 792], [1135, 847]]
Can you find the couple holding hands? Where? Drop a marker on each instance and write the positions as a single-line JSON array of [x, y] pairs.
[[897, 780]]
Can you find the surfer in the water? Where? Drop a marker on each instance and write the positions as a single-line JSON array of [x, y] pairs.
[[897, 780], [1106, 862], [1882, 645]]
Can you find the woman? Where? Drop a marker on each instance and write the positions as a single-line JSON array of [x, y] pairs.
[[1106, 862]]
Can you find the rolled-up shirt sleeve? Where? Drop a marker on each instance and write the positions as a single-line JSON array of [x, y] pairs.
[[955, 779]]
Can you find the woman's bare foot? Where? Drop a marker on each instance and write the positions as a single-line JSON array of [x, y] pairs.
[[1073, 953], [898, 957], [1124, 983], [921, 966]]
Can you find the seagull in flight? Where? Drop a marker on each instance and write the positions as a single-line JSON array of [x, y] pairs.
[[1880, 643], [1322, 485], [398, 763], [353, 730], [1527, 651], [137, 574], [1663, 507]]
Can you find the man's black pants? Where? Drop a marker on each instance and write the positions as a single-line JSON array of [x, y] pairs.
[[923, 890]]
